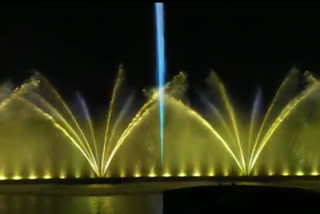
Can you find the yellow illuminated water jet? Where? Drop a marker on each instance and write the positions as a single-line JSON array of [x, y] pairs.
[[244, 142], [271, 122], [55, 109]]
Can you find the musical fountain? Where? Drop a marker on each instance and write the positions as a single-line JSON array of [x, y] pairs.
[[165, 143]]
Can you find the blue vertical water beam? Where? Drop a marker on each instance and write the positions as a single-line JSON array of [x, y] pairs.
[[161, 66]]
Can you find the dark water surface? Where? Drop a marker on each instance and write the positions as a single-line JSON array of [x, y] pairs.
[[153, 199], [57, 204]]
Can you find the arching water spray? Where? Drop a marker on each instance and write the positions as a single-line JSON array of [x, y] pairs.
[[161, 66]]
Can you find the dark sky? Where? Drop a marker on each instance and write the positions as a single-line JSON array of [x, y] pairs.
[[79, 46]]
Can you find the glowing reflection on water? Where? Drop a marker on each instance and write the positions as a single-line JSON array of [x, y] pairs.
[[113, 204]]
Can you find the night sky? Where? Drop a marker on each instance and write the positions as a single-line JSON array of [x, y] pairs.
[[79, 46]]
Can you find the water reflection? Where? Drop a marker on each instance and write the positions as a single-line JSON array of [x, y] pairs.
[[113, 204]]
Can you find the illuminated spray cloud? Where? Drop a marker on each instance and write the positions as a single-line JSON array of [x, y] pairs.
[[77, 126], [243, 139], [245, 147], [8, 92]]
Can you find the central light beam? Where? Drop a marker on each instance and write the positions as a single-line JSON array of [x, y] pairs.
[[161, 66]]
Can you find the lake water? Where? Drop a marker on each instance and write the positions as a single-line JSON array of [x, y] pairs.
[[152, 198], [57, 204]]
